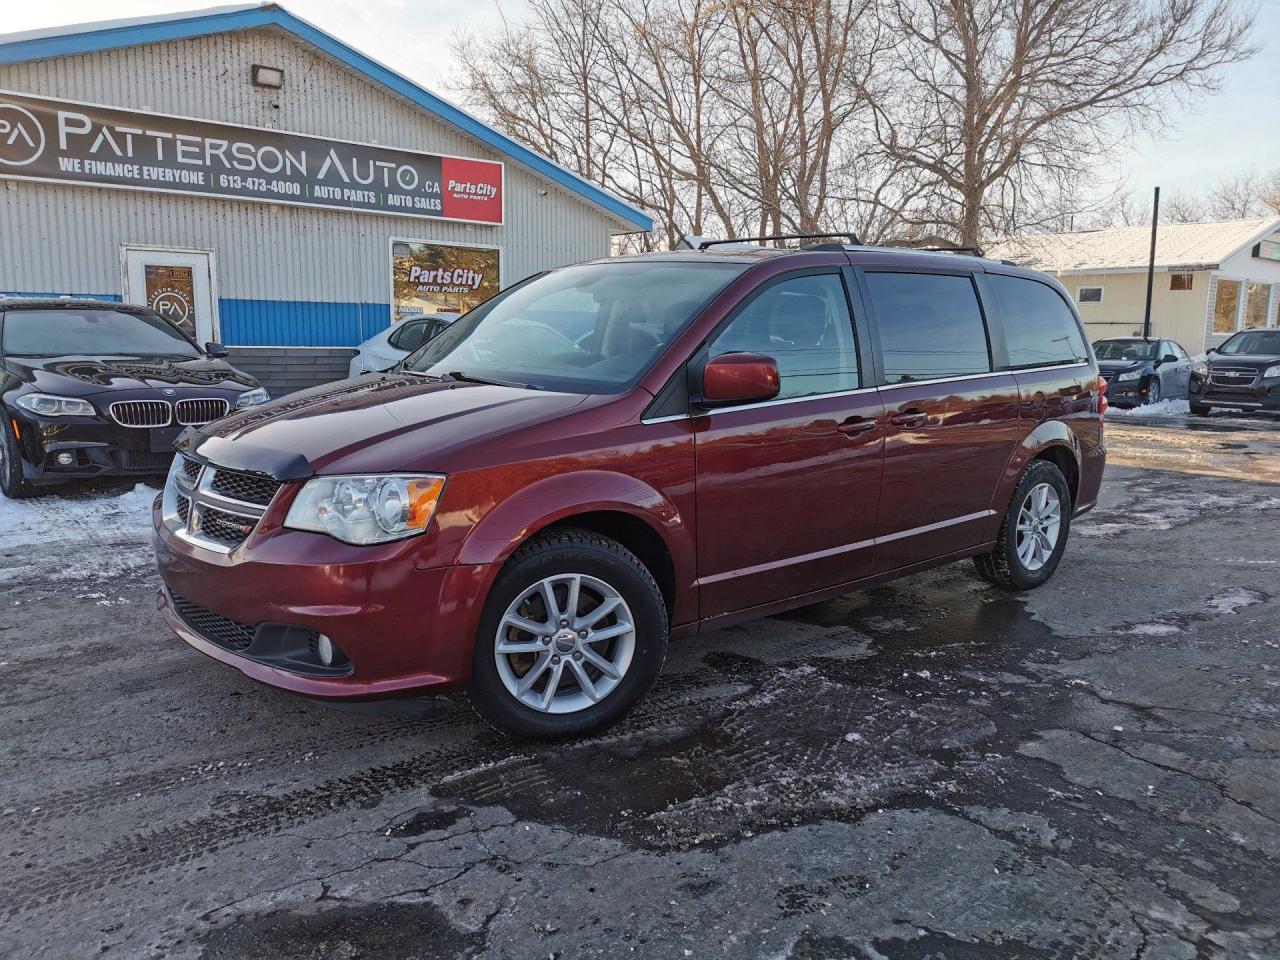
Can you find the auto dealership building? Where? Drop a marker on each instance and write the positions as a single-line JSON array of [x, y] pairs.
[[267, 187]]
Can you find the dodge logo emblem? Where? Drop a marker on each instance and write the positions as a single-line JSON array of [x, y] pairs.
[[21, 136]]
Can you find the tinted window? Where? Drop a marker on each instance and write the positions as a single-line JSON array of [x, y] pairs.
[[594, 328], [930, 326], [412, 335], [91, 333], [804, 324], [1262, 342], [1178, 351], [1125, 350], [1039, 329]]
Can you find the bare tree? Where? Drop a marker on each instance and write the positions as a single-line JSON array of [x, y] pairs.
[[1245, 195], [1006, 103]]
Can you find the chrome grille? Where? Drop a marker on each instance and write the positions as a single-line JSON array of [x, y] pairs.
[[201, 411], [1233, 376], [223, 631], [184, 509], [190, 469], [246, 487], [142, 413]]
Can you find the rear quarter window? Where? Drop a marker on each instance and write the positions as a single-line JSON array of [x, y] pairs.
[[1039, 329]]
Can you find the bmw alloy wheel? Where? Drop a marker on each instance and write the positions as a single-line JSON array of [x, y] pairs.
[[1039, 522], [565, 643]]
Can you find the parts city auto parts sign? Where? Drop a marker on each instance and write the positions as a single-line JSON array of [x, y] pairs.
[[67, 142]]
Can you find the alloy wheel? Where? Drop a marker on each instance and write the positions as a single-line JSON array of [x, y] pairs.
[[565, 643], [1039, 523], [1153, 391]]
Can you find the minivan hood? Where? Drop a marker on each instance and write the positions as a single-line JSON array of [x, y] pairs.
[[376, 423], [83, 376]]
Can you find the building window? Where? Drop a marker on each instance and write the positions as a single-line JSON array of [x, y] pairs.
[[1226, 306], [1088, 294], [1255, 308], [1180, 281]]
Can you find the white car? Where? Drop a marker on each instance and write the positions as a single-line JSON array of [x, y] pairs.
[[384, 350]]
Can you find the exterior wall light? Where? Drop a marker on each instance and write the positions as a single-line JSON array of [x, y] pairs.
[[268, 76]]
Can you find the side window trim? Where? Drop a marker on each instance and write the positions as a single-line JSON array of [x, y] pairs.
[[698, 358], [873, 322]]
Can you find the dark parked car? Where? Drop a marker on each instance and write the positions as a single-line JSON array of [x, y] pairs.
[[1142, 370], [1244, 372], [91, 387], [622, 451]]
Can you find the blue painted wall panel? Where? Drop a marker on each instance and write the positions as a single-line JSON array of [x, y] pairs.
[[300, 323]]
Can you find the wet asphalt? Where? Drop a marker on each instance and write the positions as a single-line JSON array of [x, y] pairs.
[[932, 769]]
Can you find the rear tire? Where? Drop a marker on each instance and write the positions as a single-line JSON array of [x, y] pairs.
[[1030, 542], [596, 681], [1201, 411], [12, 483]]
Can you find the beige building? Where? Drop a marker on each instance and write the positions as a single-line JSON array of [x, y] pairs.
[[1211, 279]]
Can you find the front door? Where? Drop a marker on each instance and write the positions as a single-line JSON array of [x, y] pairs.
[[951, 422], [177, 284], [787, 490]]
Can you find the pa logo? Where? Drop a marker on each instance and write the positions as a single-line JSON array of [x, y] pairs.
[[21, 136]]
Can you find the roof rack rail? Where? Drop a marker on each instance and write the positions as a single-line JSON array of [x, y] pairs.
[[966, 251], [851, 237]]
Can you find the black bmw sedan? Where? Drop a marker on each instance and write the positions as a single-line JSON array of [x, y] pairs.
[[89, 388], [1243, 373], [1142, 370]]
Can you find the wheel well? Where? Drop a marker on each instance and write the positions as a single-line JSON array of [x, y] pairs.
[[1062, 458], [638, 537]]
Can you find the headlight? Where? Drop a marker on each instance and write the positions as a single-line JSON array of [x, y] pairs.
[[251, 398], [1200, 367], [47, 405], [1270, 372], [1129, 375], [364, 510]]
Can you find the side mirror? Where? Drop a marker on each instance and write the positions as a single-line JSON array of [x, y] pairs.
[[739, 378], [216, 350], [1212, 350], [1168, 358]]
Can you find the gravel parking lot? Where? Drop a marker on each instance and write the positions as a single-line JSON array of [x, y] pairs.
[[932, 769]]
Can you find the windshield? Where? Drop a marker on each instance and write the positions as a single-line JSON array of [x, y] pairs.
[[1125, 349], [91, 333], [1253, 342], [594, 328]]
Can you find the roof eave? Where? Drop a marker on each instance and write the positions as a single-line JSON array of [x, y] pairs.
[[110, 36]]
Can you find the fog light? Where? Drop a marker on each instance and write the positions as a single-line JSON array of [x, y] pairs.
[[324, 649], [66, 459]]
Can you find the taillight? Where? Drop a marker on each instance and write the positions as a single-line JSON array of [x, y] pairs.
[[1102, 396]]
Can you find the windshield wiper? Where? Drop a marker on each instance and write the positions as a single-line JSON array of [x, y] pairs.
[[490, 381]]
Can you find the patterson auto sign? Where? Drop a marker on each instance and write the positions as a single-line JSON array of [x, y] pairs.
[[66, 142]]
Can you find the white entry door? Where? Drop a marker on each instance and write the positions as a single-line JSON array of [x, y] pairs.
[[177, 284]]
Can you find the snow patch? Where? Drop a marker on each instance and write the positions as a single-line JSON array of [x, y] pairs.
[[1234, 599], [1152, 629], [95, 518], [1165, 408]]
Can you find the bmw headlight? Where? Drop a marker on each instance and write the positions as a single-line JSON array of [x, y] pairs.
[[366, 510], [1270, 372], [251, 398], [47, 405], [1129, 375]]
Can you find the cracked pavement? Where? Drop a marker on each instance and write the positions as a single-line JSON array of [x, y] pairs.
[[931, 769]]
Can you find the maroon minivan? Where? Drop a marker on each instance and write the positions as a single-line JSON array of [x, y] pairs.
[[611, 454]]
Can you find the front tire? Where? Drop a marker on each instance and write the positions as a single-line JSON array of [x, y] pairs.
[[1153, 391], [1033, 533], [573, 634], [12, 483], [1201, 411]]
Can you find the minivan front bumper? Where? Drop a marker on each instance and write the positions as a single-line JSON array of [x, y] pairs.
[[401, 629]]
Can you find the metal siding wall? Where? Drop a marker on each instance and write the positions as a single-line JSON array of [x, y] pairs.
[[55, 237]]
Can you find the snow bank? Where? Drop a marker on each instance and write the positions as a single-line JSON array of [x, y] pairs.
[[1165, 408], [93, 517]]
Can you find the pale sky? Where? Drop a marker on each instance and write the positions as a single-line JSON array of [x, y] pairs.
[[1234, 131]]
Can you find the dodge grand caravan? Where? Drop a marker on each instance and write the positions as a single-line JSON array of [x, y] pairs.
[[617, 453]]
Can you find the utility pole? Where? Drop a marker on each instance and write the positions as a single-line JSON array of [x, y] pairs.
[[1151, 264]]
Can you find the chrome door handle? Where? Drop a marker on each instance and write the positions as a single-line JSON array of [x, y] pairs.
[[856, 425], [909, 419]]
